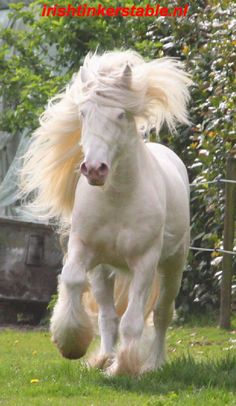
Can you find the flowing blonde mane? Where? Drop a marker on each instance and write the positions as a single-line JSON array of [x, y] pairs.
[[155, 92]]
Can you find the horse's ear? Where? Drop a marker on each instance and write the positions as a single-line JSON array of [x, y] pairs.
[[126, 76]]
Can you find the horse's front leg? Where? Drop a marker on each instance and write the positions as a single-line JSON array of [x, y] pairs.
[[70, 325], [102, 283], [128, 359]]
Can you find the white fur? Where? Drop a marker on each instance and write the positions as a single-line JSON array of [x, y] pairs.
[[137, 223]]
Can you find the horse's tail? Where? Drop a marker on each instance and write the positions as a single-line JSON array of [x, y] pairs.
[[49, 175]]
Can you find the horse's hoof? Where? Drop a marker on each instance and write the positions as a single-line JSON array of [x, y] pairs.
[[101, 361], [74, 344], [72, 354], [113, 370], [69, 352]]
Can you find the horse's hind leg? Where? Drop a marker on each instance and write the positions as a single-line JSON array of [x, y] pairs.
[[102, 283], [70, 325], [169, 279]]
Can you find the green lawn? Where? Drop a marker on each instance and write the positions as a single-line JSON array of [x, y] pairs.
[[201, 371]]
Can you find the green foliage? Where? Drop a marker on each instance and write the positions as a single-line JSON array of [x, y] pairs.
[[210, 55], [50, 50]]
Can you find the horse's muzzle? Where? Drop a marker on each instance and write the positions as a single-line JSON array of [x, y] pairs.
[[95, 174]]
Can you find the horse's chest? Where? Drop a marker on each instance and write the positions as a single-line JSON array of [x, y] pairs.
[[114, 236]]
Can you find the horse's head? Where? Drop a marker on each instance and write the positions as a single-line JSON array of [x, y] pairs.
[[116, 91], [105, 125]]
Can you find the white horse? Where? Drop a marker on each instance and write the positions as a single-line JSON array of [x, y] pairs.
[[128, 205]]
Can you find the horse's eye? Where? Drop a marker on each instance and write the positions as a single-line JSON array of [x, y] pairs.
[[121, 115]]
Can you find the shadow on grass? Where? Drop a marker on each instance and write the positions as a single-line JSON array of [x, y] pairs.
[[182, 373]]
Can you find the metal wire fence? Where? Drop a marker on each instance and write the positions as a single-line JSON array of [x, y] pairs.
[[217, 181]]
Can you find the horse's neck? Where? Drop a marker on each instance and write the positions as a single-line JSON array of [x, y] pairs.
[[127, 172]]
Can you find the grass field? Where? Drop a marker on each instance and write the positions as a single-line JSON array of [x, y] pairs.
[[201, 371]]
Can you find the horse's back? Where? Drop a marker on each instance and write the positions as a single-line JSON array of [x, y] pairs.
[[169, 161]]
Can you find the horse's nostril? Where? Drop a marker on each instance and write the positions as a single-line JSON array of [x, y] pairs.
[[83, 168], [103, 169]]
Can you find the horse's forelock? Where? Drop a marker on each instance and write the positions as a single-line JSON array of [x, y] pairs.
[[156, 90]]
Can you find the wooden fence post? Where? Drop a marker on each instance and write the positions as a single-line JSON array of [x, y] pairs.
[[229, 225]]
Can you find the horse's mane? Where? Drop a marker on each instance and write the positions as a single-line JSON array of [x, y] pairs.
[[155, 92]]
